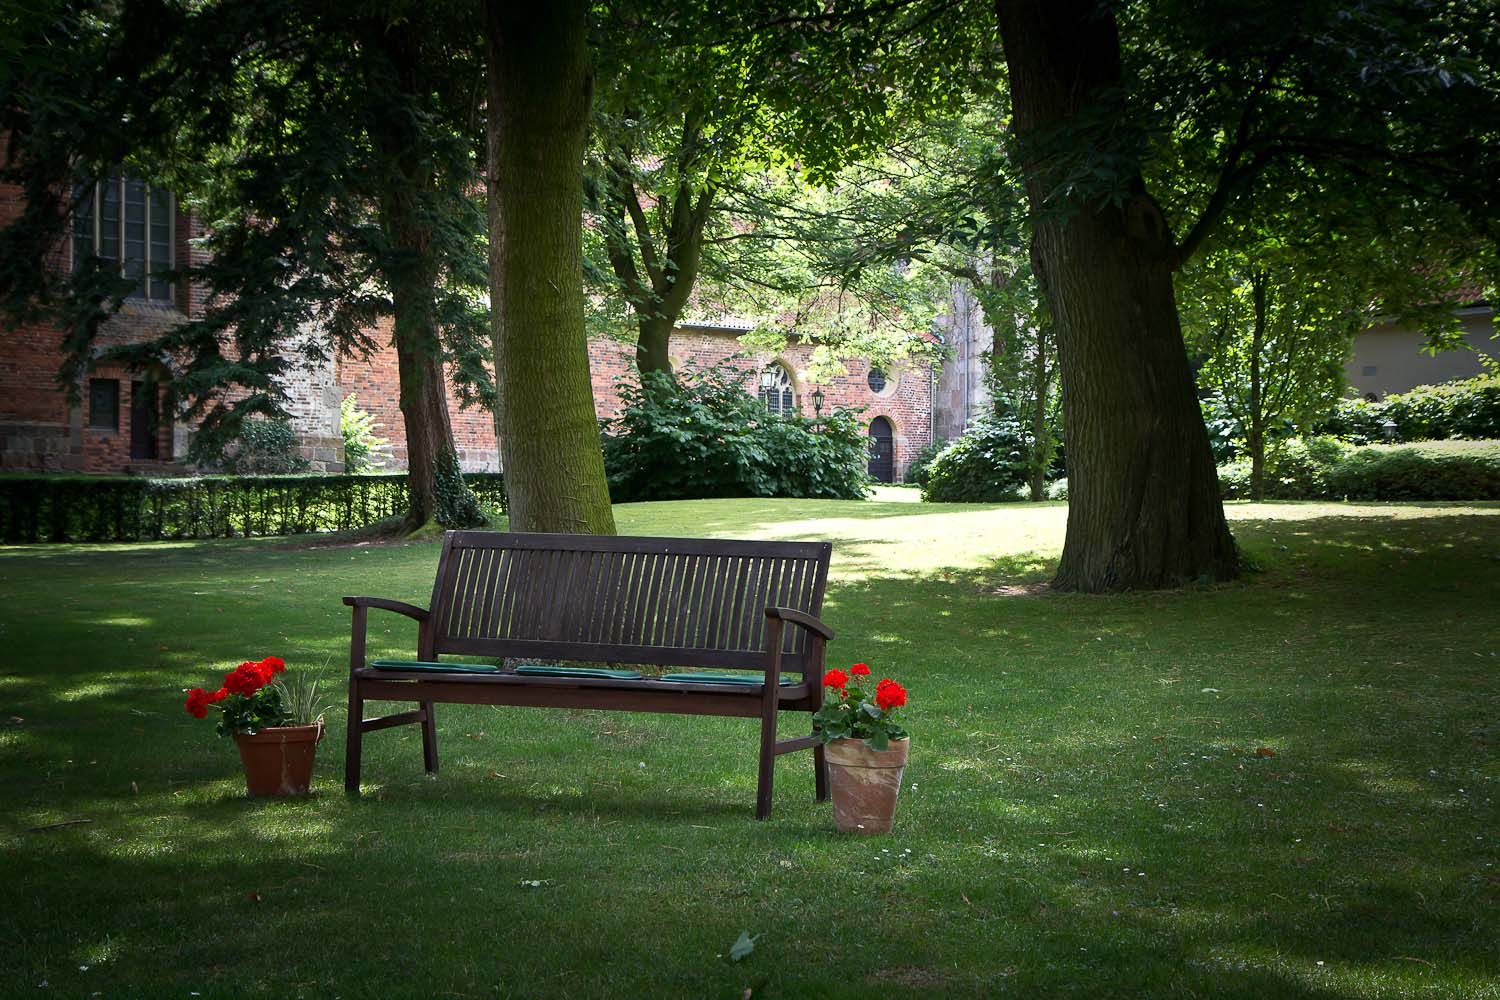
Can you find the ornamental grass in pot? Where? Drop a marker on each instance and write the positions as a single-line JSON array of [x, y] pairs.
[[276, 725], [866, 748]]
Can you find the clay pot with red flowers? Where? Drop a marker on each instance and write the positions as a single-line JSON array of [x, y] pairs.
[[275, 726], [866, 748]]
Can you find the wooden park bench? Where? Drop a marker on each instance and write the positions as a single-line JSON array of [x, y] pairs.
[[714, 612]]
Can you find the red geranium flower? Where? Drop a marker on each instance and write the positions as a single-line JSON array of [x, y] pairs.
[[835, 678], [197, 703], [889, 695], [860, 670], [273, 665], [247, 678]]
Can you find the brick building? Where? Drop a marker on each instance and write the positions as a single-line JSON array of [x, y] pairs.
[[117, 424], [898, 404]]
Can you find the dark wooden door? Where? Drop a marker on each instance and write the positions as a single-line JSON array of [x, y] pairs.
[[882, 451], [144, 422]]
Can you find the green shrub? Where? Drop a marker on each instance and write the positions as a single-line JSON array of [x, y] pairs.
[[920, 468], [1223, 429], [1323, 468], [361, 443], [1465, 409], [265, 447], [1414, 473], [986, 465], [704, 436], [127, 509]]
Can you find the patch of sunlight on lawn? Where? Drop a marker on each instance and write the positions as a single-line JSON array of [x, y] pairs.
[[1245, 511], [93, 689]]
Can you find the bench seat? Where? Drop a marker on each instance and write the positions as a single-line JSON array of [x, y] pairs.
[[748, 688]]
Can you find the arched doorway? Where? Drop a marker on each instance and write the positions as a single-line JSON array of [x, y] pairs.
[[882, 451], [148, 427]]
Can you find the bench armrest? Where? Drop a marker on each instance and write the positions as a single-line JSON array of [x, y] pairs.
[[798, 618], [400, 607]]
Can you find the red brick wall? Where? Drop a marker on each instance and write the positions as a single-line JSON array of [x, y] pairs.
[[376, 382]]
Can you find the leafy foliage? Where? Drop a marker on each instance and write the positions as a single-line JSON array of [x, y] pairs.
[[265, 446], [303, 698], [1324, 468], [1469, 408], [457, 505], [361, 443], [330, 154], [920, 469], [1415, 473], [849, 712], [987, 465], [248, 701], [1223, 429], [705, 436], [1296, 469]]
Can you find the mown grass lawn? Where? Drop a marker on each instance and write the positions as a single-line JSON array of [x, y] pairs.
[[1092, 808]]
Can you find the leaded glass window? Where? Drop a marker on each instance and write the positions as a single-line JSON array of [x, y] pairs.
[[776, 391], [129, 225]]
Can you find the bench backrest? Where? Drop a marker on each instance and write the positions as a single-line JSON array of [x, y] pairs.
[[688, 602]]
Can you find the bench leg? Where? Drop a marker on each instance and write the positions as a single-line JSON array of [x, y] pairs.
[[354, 739], [429, 738], [767, 766], [820, 772]]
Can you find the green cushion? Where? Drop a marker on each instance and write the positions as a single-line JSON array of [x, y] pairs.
[[421, 666], [751, 680], [617, 675]]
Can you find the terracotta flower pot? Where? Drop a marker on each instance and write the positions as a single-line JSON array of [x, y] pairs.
[[865, 784], [279, 760]]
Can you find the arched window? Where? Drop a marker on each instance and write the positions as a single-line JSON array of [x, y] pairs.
[[776, 391]]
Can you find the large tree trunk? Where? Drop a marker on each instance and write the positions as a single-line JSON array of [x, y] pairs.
[[540, 89], [1144, 508]]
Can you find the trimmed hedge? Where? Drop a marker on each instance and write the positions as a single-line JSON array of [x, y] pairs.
[[1468, 409], [1322, 469], [37, 508], [1415, 473]]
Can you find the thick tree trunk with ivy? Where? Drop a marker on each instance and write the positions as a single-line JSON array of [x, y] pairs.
[[435, 486], [1144, 508], [540, 89]]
